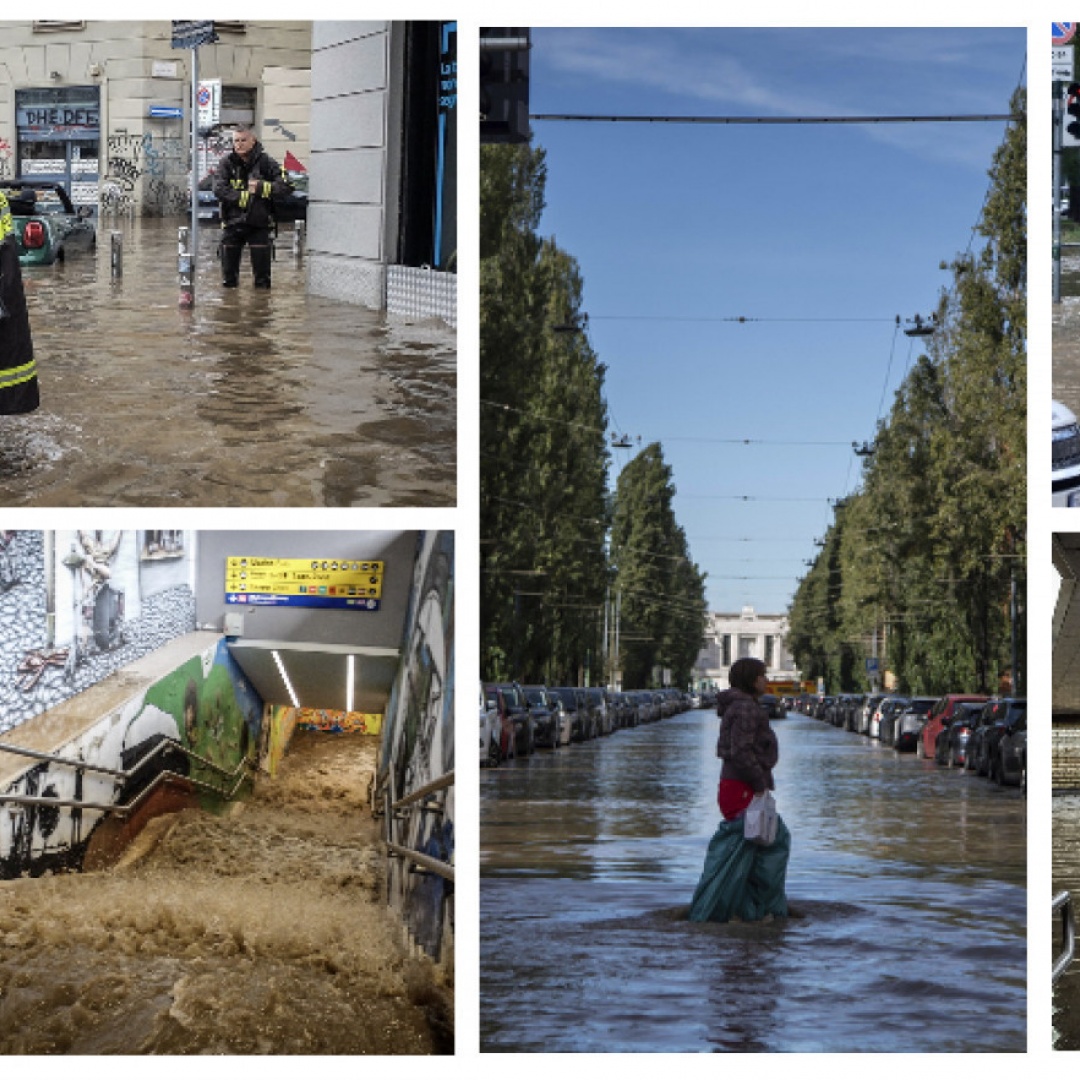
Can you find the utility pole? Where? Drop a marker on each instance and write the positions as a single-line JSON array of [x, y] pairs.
[[190, 35]]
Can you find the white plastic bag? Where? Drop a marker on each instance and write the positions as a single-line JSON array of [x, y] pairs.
[[759, 824]]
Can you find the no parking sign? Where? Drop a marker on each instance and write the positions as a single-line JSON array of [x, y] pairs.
[[208, 100]]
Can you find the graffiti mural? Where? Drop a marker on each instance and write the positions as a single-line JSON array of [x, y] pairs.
[[339, 722], [154, 162], [205, 705], [418, 739], [77, 606]]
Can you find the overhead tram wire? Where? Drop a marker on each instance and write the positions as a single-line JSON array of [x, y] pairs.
[[768, 121]]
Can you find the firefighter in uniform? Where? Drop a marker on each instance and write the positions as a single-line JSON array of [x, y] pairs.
[[18, 373], [246, 182]]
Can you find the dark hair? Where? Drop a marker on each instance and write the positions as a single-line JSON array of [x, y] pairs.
[[744, 673]]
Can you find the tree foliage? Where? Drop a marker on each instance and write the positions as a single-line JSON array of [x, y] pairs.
[[926, 558], [544, 510]]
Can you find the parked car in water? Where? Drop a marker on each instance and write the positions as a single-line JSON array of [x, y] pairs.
[[47, 226], [940, 715], [950, 748], [572, 700], [1012, 752], [910, 724], [544, 716], [773, 706], [891, 708], [517, 737], [494, 702], [998, 718], [490, 751]]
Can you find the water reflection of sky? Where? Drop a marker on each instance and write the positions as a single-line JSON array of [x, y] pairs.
[[590, 854]]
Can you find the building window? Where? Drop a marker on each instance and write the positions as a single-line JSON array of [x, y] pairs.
[[725, 648], [770, 659]]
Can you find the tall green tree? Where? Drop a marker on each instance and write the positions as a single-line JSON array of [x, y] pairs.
[[932, 547], [542, 439], [661, 592]]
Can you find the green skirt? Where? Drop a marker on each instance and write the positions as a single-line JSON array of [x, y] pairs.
[[742, 880]]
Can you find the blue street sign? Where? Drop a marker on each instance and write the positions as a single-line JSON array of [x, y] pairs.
[[1063, 32], [190, 35], [166, 112]]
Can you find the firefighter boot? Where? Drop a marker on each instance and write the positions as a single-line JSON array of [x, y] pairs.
[[230, 265], [260, 265]]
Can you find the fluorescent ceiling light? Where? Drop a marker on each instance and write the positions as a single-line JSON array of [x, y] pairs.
[[351, 668], [285, 679]]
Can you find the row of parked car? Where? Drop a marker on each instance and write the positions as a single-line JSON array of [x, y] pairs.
[[984, 735], [516, 720]]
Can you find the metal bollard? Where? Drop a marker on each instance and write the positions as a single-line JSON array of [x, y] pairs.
[[1063, 904], [116, 254], [298, 237], [186, 261]]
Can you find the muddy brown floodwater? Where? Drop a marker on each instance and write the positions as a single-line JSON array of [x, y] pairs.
[[252, 398], [258, 932]]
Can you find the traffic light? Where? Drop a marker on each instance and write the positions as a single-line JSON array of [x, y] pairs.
[[504, 84], [1072, 106]]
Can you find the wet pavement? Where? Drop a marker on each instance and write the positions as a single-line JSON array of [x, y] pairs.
[[253, 398], [262, 931], [908, 882]]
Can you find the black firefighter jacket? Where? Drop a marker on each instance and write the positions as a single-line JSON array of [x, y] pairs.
[[238, 205], [18, 373]]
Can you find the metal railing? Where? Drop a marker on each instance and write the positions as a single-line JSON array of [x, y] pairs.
[[393, 815], [1063, 905], [236, 776]]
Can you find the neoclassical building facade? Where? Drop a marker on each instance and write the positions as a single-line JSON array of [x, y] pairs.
[[728, 637]]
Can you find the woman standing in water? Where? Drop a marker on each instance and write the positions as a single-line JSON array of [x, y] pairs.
[[18, 373], [743, 879]]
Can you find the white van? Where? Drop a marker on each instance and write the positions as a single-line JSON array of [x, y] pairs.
[[1066, 457]]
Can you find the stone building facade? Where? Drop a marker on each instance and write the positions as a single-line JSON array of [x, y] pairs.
[[103, 106], [729, 637], [367, 110]]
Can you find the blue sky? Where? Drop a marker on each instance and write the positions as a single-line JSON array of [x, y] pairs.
[[822, 235]]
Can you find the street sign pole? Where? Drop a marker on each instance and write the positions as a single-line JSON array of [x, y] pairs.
[[190, 35], [1061, 64], [194, 165], [1057, 193]]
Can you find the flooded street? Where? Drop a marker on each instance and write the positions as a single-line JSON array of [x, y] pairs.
[[907, 883], [253, 398], [261, 931]]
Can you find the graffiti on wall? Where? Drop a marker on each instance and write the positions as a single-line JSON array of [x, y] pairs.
[[48, 610], [159, 160], [205, 705], [6, 154], [418, 734], [333, 720]]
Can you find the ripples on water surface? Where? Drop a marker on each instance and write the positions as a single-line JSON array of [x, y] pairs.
[[259, 932], [253, 398], [908, 880]]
